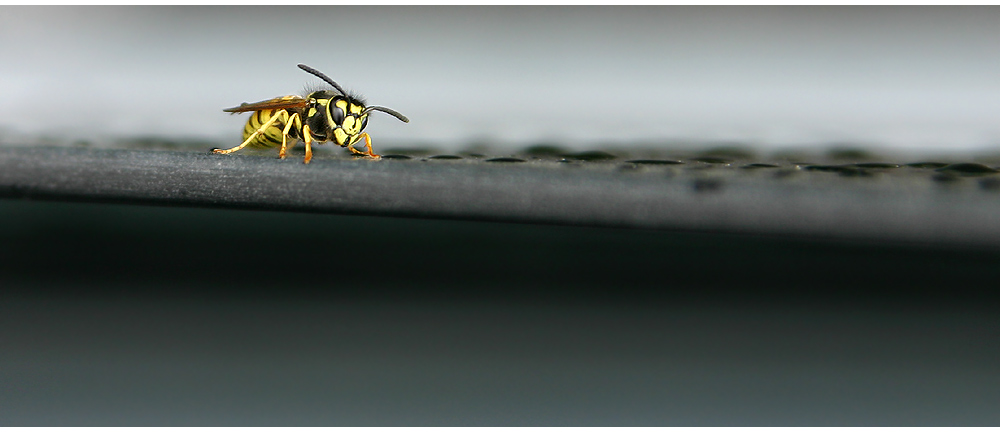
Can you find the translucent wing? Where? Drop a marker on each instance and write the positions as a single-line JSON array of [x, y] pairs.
[[276, 103]]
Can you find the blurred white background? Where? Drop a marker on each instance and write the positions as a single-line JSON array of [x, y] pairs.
[[916, 78]]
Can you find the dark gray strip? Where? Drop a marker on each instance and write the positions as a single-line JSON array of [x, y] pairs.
[[900, 206]]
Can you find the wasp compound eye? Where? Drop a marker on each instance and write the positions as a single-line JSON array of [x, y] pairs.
[[337, 114]]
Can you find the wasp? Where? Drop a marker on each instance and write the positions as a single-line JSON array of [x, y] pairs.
[[325, 115]]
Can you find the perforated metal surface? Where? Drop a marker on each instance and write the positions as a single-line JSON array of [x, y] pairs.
[[843, 195]]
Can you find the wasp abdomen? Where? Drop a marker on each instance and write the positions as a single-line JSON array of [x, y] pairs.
[[272, 136]]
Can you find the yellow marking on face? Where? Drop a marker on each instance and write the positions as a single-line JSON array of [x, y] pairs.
[[340, 136], [342, 104], [356, 109], [349, 124]]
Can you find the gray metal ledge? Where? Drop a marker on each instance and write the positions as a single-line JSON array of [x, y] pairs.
[[929, 202]]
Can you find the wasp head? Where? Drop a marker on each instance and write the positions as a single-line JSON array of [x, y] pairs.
[[347, 117]]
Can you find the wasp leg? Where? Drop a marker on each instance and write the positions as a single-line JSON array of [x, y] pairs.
[[307, 137], [284, 135], [355, 151], [250, 138], [368, 145]]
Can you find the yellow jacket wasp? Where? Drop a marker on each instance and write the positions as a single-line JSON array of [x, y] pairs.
[[321, 116]]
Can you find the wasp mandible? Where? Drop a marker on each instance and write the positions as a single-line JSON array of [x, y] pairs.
[[324, 115]]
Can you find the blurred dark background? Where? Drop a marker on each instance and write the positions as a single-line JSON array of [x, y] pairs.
[[132, 315]]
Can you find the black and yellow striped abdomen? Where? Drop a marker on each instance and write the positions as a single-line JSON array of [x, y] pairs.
[[272, 136]]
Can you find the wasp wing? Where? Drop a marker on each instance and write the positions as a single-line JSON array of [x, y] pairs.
[[283, 102]]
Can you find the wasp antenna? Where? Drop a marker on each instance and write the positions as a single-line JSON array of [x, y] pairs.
[[323, 77], [391, 112]]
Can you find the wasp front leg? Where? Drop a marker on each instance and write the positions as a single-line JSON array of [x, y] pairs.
[[368, 146]]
